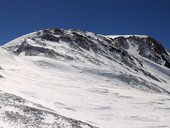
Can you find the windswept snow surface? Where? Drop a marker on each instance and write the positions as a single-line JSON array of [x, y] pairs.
[[98, 89]]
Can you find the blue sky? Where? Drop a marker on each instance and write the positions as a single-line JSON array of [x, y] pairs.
[[148, 17]]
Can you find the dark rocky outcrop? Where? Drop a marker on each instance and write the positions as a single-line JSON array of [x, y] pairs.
[[34, 51]]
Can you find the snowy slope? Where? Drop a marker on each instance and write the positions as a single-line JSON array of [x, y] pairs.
[[103, 81]]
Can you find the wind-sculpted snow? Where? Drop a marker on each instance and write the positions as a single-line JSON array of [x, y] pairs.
[[18, 112], [133, 81], [72, 79]]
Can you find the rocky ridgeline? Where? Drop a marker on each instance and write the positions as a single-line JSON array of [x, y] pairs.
[[98, 44]]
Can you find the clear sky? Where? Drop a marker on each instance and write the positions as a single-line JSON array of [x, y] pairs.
[[148, 17]]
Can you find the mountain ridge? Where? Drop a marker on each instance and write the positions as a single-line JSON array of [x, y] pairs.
[[89, 77], [158, 52]]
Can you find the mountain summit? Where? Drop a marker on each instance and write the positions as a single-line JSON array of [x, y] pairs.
[[78, 79], [33, 44]]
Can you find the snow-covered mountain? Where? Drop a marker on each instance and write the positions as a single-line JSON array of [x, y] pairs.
[[77, 79]]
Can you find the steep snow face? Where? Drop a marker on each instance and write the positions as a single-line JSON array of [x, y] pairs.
[[102, 81]]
